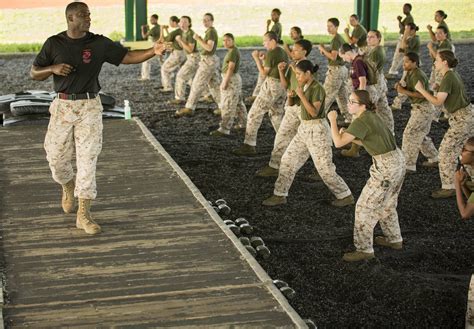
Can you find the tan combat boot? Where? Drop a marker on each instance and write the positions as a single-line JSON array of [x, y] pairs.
[[84, 220], [353, 152], [68, 201]]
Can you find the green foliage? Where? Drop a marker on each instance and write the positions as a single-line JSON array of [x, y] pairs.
[[20, 47], [116, 36]]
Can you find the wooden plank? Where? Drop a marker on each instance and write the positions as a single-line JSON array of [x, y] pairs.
[[163, 259]]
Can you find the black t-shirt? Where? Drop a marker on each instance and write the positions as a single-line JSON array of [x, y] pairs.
[[86, 55]]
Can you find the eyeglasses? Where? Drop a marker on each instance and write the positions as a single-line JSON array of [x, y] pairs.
[[351, 101]]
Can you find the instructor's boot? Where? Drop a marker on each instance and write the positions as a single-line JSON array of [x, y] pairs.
[[68, 201], [353, 152], [84, 219]]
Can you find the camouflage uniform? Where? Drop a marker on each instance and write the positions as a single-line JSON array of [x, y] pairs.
[[397, 60], [381, 107], [312, 139], [415, 137], [260, 80], [400, 98], [461, 124], [378, 201], [75, 125], [288, 129], [231, 103], [146, 68], [206, 76], [271, 100], [336, 88], [171, 64], [185, 74]]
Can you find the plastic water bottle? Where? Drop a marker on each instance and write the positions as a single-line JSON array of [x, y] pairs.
[[128, 110]]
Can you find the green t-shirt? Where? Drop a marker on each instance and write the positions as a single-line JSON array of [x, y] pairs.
[[233, 55], [413, 45], [277, 29], [471, 198], [361, 34], [314, 93], [272, 59], [211, 34], [408, 19], [373, 133], [171, 37], [444, 45], [187, 37], [377, 57], [443, 23], [291, 79], [336, 44], [154, 33], [454, 86], [412, 79]]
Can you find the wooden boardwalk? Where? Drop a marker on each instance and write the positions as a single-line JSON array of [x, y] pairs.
[[164, 258]]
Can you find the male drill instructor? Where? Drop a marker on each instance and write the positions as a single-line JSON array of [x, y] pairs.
[[74, 58]]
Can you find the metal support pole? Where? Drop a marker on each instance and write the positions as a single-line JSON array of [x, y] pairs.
[[129, 13], [140, 17]]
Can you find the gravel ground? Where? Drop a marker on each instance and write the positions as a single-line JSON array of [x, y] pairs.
[[423, 286]]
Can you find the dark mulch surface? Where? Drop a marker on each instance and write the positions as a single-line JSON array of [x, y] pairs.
[[423, 286]]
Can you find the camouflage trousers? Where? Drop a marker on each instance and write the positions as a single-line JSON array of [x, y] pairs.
[[146, 67], [378, 201], [271, 100], [336, 88], [170, 66], [288, 129], [435, 79], [75, 125], [379, 98], [397, 60], [207, 76], [312, 139], [415, 135], [461, 127], [185, 74], [232, 105], [400, 98], [257, 88]]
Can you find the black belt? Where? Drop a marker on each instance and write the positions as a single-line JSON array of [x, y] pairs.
[[73, 97]]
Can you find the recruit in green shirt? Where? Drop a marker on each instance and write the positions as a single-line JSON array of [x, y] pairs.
[[360, 33], [272, 59], [290, 77], [454, 86], [412, 79], [443, 23], [154, 33], [408, 19], [187, 37], [211, 34], [233, 55], [171, 37], [445, 45], [377, 57], [413, 45], [277, 29], [314, 93], [373, 133], [336, 44]]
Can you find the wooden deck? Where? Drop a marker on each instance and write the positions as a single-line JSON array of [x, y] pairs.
[[164, 258]]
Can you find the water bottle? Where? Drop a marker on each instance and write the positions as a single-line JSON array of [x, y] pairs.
[[128, 110]]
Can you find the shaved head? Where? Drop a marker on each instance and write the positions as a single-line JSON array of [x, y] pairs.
[[74, 7]]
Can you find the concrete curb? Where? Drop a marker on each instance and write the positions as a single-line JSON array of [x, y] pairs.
[[261, 274]]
